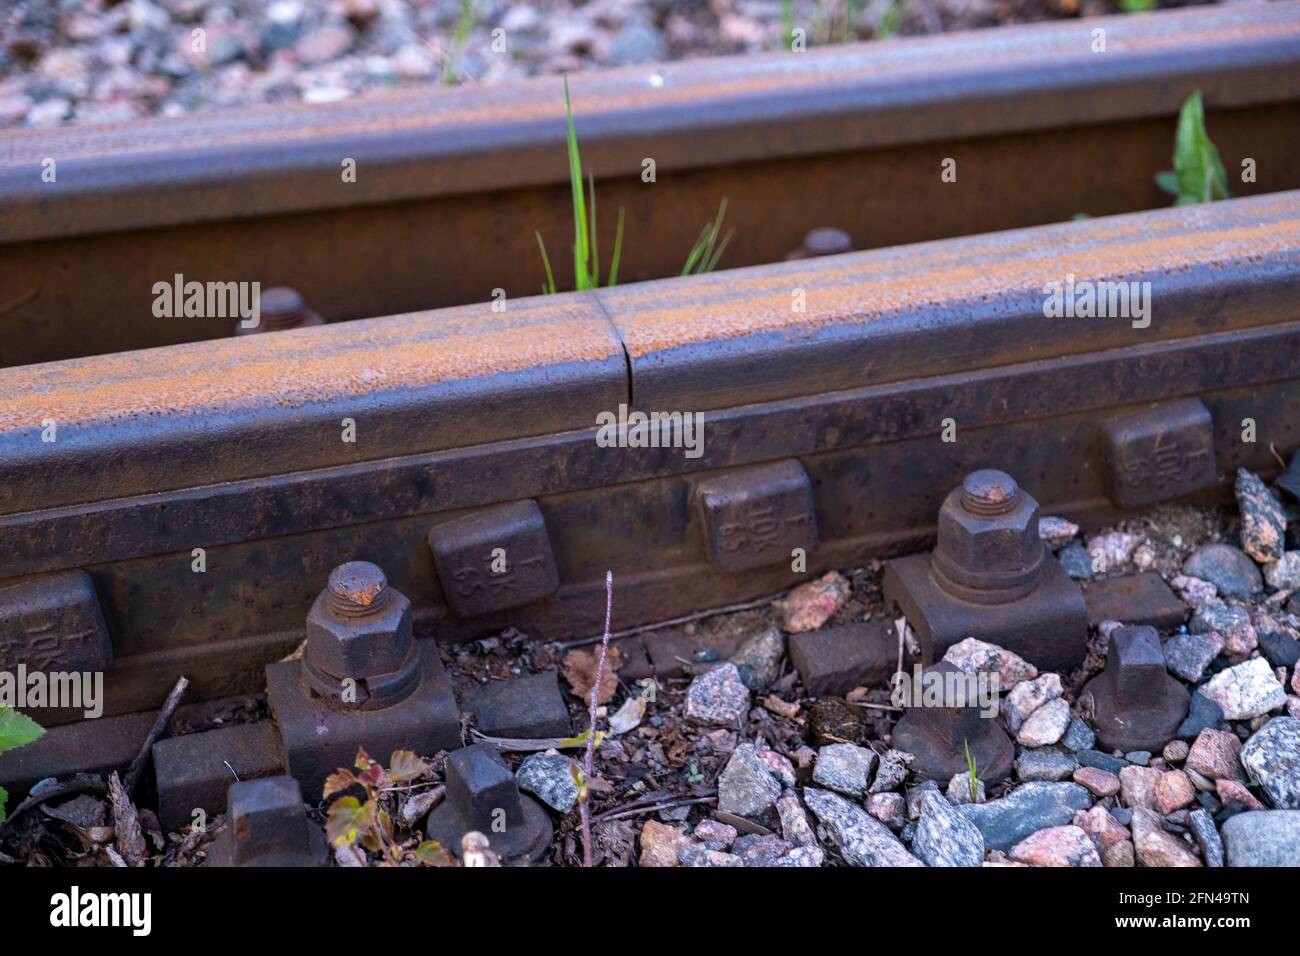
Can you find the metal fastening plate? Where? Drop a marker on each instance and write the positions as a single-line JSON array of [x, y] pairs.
[[1159, 453], [494, 559], [53, 623], [754, 518]]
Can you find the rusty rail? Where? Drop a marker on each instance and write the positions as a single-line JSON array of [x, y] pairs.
[[832, 418], [1041, 126]]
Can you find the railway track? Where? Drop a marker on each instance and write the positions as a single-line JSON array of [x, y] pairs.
[[451, 185], [175, 511]]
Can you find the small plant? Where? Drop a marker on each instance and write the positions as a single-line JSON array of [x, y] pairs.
[[891, 22], [351, 822], [707, 250], [1198, 175], [586, 251], [581, 775], [16, 730], [973, 781], [464, 24], [787, 24], [1136, 6]]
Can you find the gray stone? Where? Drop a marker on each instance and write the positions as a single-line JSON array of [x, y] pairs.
[[1045, 763], [958, 790], [1272, 756], [1262, 838], [698, 856], [547, 776], [1046, 725], [891, 772], [1232, 623], [1263, 523], [1284, 573], [862, 839], [946, 838], [1078, 736], [1187, 655], [761, 850], [759, 659], [638, 42], [1227, 568], [1247, 690], [845, 768], [803, 857], [1027, 809], [1203, 714], [1095, 758], [1139, 757], [747, 786], [1201, 823], [1076, 561], [718, 696]]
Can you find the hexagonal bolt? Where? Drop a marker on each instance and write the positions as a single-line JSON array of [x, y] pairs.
[[937, 737], [988, 549], [359, 629], [825, 241], [267, 825], [482, 795], [281, 308], [1137, 705]]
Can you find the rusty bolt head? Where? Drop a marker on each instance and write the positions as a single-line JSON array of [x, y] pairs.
[[988, 535], [268, 826], [1137, 705], [358, 627]]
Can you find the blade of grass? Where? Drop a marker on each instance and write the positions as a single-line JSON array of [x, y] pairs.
[[618, 249], [595, 235], [464, 24], [581, 255], [549, 288], [713, 260]]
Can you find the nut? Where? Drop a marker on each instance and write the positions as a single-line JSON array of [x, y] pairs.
[[988, 537], [358, 627]]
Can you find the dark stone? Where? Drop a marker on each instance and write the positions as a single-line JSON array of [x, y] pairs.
[[835, 660], [1203, 713], [1045, 763], [1201, 823], [1281, 650], [529, 707], [1027, 809], [1227, 568], [1139, 757], [1095, 758], [1078, 736]]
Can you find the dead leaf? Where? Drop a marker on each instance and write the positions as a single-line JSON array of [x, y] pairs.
[[126, 823], [781, 708], [580, 671]]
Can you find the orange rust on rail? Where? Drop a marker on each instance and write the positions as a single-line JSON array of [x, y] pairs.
[[863, 287], [297, 367]]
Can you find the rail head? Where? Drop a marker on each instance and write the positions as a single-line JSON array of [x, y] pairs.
[[242, 408], [407, 146]]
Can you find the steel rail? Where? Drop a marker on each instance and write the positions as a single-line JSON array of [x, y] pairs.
[[1040, 124], [235, 447]]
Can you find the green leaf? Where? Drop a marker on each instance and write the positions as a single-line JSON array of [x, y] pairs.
[[4, 798], [1136, 6], [1168, 181], [16, 729], [618, 250], [1199, 170], [581, 252], [433, 853], [347, 821]]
